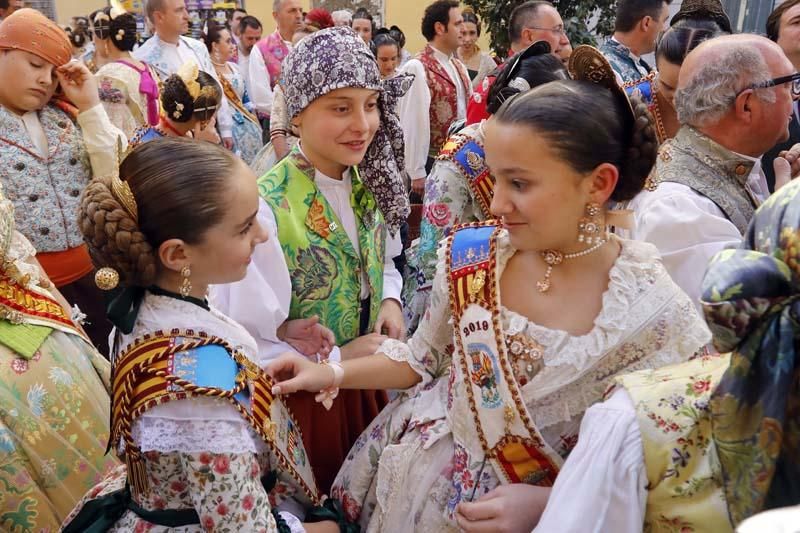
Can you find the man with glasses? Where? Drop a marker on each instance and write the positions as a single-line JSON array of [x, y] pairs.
[[636, 29], [532, 21], [734, 102]]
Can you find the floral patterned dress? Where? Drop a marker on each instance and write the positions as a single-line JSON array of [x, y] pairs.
[[199, 453], [246, 133], [449, 201], [54, 412], [407, 471]]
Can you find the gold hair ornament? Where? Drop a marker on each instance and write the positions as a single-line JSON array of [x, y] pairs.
[[587, 64], [116, 9], [106, 279], [188, 74]]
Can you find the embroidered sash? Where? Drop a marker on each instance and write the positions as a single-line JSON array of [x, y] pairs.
[[235, 101], [510, 441], [160, 368], [21, 305], [469, 157]]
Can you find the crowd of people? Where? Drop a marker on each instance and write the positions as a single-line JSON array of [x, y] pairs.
[[313, 282]]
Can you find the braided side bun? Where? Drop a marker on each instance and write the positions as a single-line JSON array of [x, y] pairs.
[[640, 155], [113, 237], [178, 103]]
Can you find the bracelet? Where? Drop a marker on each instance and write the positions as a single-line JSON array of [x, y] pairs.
[[327, 395]]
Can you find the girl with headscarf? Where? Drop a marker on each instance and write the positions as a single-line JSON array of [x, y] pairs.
[[530, 318], [703, 445], [337, 202], [459, 188]]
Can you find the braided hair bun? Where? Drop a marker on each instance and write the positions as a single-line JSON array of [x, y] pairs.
[[179, 104], [113, 236], [640, 155]]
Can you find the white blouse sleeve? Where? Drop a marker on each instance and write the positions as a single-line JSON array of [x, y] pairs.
[[260, 302], [392, 279], [415, 119], [102, 139], [260, 87], [602, 486], [688, 229]]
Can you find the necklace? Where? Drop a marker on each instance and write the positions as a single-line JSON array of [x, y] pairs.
[[167, 126], [219, 64], [554, 258]]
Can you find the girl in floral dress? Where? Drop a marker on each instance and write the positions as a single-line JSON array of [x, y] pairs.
[[530, 318], [458, 190], [207, 447]]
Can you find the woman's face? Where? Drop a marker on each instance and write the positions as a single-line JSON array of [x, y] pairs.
[[668, 78], [336, 129], [224, 253], [539, 197], [363, 27], [469, 34], [224, 47], [29, 81], [388, 59]]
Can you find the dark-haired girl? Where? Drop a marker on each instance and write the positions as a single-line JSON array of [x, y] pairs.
[[190, 100], [246, 127], [479, 64], [530, 318], [459, 188], [387, 53], [207, 447], [128, 87], [658, 89]]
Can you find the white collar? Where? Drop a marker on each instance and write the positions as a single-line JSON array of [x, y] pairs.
[[319, 174], [441, 56]]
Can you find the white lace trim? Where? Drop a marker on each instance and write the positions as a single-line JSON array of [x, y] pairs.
[[396, 350], [193, 436]]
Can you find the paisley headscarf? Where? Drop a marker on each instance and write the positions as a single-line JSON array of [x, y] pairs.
[[751, 297], [337, 58]]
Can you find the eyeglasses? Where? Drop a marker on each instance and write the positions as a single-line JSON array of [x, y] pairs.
[[794, 78], [558, 30]]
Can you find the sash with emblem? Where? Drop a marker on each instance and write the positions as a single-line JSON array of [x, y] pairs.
[[26, 305], [510, 441], [469, 157], [160, 368]]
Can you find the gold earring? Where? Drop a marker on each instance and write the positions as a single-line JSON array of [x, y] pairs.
[[186, 285], [591, 228]]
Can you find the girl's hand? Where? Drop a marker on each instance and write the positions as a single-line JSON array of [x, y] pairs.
[[293, 373]]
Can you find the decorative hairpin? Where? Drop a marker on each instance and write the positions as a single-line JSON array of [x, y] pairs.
[[120, 34], [188, 74], [178, 110], [121, 190], [588, 64]]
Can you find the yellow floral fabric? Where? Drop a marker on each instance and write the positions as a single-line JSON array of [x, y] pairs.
[[54, 415]]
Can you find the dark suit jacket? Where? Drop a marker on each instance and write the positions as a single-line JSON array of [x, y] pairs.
[[769, 157]]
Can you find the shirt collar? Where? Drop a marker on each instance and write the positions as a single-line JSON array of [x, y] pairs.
[[621, 45], [441, 56]]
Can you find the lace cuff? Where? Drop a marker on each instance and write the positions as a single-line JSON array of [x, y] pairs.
[[396, 350], [294, 523]]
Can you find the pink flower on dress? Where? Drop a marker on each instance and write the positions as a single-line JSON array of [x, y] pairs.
[[142, 526], [208, 523], [222, 464], [178, 486], [438, 214], [159, 503], [255, 469], [205, 458], [247, 502], [222, 509], [19, 365], [701, 386]]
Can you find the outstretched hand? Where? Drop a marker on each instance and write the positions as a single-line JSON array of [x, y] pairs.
[[308, 336], [293, 373], [505, 509]]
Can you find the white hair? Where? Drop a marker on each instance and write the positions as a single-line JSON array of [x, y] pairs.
[[709, 94], [342, 17]]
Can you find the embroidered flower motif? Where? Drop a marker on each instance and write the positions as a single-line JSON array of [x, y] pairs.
[[247, 502], [205, 458], [208, 523], [222, 464], [438, 214], [315, 272], [222, 509], [316, 219], [19, 365]]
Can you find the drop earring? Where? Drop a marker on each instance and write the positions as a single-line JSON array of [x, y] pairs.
[[591, 228], [186, 285]]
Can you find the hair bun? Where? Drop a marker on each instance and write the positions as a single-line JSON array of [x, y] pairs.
[[641, 153], [113, 237]]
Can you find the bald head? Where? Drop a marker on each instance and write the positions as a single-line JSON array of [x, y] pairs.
[[715, 72]]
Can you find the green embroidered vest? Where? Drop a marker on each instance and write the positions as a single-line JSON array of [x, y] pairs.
[[324, 266], [684, 476]]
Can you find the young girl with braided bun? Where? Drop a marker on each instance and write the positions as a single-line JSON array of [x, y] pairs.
[[530, 318], [189, 103], [206, 445]]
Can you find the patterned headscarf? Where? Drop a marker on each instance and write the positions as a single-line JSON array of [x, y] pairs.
[[29, 30], [337, 58], [751, 297]]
